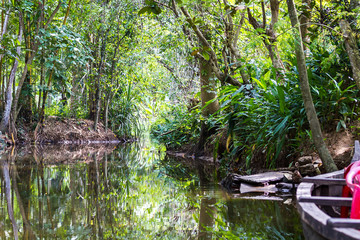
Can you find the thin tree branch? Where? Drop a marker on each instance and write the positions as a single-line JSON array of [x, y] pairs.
[[263, 14], [52, 15], [4, 28], [164, 5]]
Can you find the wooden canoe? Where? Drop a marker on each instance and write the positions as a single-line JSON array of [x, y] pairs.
[[319, 201]]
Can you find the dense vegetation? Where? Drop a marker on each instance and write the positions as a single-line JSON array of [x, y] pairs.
[[231, 76]]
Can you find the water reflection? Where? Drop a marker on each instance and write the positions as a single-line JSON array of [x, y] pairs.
[[132, 192]]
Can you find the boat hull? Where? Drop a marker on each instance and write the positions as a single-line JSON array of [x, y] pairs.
[[315, 217]]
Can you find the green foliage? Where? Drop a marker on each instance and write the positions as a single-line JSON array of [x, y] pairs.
[[180, 126], [262, 119], [138, 61], [124, 114], [266, 119], [270, 117], [329, 74]]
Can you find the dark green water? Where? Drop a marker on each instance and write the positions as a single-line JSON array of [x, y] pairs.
[[132, 192]]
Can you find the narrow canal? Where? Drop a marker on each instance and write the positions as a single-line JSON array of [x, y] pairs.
[[131, 192]]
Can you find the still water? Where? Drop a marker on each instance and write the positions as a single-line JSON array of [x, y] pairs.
[[131, 192]]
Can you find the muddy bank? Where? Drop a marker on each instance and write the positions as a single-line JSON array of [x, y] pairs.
[[56, 130]]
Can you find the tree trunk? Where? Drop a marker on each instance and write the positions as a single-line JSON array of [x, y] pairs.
[[352, 50], [25, 99], [42, 78], [2, 87], [97, 106], [208, 91], [108, 100], [74, 97], [91, 92], [304, 19], [223, 77], [29, 62], [273, 51], [275, 58], [6, 116], [106, 117], [208, 69], [210, 104], [306, 94], [42, 65], [2, 80], [4, 28], [26, 96]]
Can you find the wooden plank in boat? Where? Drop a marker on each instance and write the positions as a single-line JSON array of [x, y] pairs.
[[344, 223], [327, 201], [324, 181]]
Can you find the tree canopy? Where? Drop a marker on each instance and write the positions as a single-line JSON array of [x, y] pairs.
[[225, 73]]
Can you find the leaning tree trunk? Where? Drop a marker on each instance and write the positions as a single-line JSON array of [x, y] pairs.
[[4, 23], [6, 116], [306, 94], [352, 50]]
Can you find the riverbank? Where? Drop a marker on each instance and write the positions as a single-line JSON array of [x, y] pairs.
[[340, 145], [57, 130], [306, 162]]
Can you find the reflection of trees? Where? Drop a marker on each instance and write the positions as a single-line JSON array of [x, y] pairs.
[[94, 192], [203, 173], [207, 217], [258, 219], [207, 208], [39, 197], [126, 194], [6, 175], [122, 194], [22, 190], [17, 193]]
